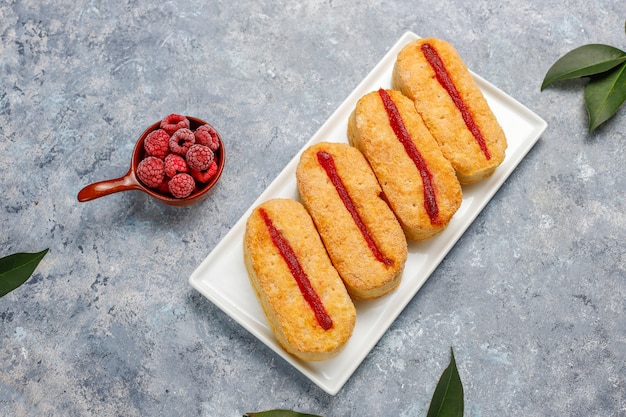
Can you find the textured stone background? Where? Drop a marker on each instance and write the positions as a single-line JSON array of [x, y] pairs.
[[532, 298]]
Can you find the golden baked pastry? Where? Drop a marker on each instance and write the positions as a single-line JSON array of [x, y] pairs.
[[431, 73], [419, 183], [362, 235], [305, 301]]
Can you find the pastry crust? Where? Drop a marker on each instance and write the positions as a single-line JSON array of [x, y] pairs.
[[290, 316], [369, 258], [415, 78], [370, 131]]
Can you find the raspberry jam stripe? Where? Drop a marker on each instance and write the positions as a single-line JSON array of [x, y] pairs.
[[328, 163], [307, 290], [395, 120], [446, 82]]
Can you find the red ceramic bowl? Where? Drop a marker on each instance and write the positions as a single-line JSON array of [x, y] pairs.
[[131, 182]]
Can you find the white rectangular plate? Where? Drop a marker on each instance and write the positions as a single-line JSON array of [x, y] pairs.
[[223, 279]]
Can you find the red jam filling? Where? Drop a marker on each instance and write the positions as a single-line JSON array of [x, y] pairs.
[[395, 120], [307, 290], [328, 163], [446, 82]]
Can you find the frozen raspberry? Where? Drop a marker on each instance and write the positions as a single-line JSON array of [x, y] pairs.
[[207, 136], [181, 185], [175, 164], [205, 176], [164, 188], [173, 122], [199, 157], [181, 140], [151, 171], [157, 143]]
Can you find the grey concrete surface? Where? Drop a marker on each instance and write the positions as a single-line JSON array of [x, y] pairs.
[[532, 297]]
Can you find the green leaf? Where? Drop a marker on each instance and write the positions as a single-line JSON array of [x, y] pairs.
[[604, 95], [15, 269], [279, 413], [584, 61], [447, 399]]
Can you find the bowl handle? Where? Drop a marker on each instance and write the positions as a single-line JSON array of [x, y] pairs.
[[106, 187]]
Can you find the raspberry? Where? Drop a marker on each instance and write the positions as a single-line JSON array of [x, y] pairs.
[[181, 185], [151, 171], [175, 164], [207, 136], [164, 188], [205, 176], [157, 143], [181, 140], [173, 122], [199, 157]]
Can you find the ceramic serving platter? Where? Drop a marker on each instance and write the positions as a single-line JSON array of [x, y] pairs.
[[222, 276]]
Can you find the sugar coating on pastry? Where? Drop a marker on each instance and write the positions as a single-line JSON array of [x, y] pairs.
[[292, 317], [360, 232], [431, 73], [424, 200]]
